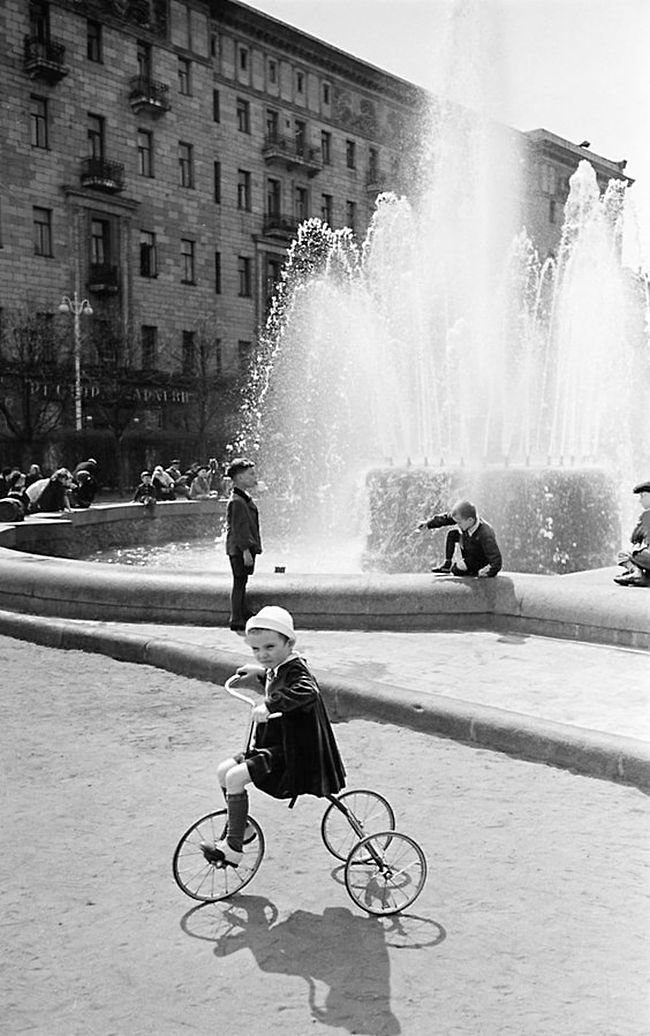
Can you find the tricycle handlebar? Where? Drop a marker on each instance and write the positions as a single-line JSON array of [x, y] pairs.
[[244, 697]]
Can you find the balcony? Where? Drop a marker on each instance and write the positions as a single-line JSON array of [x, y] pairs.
[[102, 175], [103, 279], [376, 181], [278, 225], [44, 59], [289, 154], [146, 94]]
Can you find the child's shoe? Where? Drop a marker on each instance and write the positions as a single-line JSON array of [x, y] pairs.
[[249, 833], [442, 570], [221, 853]]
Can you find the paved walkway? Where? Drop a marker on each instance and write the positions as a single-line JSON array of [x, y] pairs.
[[533, 922], [584, 685]]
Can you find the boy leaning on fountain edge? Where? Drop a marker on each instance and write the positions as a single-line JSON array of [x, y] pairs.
[[480, 554], [636, 562]]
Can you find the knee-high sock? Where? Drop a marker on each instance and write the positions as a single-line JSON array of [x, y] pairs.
[[237, 813]]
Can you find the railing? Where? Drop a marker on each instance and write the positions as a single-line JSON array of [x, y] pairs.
[[103, 279], [278, 223], [100, 173], [376, 180], [292, 152], [145, 92], [44, 58]]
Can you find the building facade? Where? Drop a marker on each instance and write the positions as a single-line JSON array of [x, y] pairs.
[[157, 158]]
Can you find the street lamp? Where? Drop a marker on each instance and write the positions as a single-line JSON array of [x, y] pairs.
[[76, 306]]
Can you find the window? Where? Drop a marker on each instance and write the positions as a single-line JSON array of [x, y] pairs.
[[299, 132], [143, 59], [148, 257], [326, 147], [214, 45], [217, 273], [552, 210], [244, 271], [243, 59], [217, 182], [272, 124], [218, 357], [243, 115], [273, 275], [185, 165], [99, 242], [301, 203], [326, 208], [39, 20], [373, 165], [149, 343], [326, 93], [350, 214], [184, 83], [273, 71], [187, 261], [548, 178], [243, 190], [273, 197], [145, 153], [93, 41], [350, 154], [38, 120], [216, 106], [244, 351], [189, 352], [42, 231], [95, 136], [300, 82]]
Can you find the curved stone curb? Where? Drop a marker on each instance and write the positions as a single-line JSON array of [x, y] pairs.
[[588, 752]]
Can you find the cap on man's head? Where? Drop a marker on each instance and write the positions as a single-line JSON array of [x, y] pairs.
[[237, 465], [272, 617], [643, 487], [176, 461]]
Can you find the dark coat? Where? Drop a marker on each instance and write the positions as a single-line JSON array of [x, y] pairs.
[[641, 539], [312, 764], [478, 548], [242, 524]]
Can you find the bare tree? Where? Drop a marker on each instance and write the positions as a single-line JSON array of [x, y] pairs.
[[36, 381]]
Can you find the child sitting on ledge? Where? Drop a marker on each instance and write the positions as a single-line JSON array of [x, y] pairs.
[[480, 554], [637, 561]]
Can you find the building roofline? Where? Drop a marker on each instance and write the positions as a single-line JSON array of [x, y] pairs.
[[264, 27], [558, 147]]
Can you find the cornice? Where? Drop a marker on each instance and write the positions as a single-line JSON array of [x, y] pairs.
[[260, 27]]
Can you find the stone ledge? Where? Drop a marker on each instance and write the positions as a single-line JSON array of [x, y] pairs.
[[584, 606], [588, 752]]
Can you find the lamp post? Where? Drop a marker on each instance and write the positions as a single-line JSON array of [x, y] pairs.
[[76, 306]]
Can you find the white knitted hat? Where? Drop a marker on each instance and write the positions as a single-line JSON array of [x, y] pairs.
[[274, 618]]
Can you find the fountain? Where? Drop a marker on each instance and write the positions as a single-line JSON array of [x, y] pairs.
[[509, 383]]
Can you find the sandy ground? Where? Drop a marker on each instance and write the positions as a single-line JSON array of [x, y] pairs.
[[533, 922]]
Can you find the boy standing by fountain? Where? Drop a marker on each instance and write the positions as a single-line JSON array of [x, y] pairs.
[[637, 561], [480, 554], [243, 540]]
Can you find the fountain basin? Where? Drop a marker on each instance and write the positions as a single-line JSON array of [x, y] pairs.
[[584, 606]]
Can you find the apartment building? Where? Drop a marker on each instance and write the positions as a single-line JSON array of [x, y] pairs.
[[157, 158]]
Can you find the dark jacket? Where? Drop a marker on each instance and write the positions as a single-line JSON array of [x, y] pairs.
[[313, 765], [479, 548], [12, 507], [641, 539], [53, 498], [145, 494], [242, 524]]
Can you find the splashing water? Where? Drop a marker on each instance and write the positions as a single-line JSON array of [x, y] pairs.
[[393, 350]]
